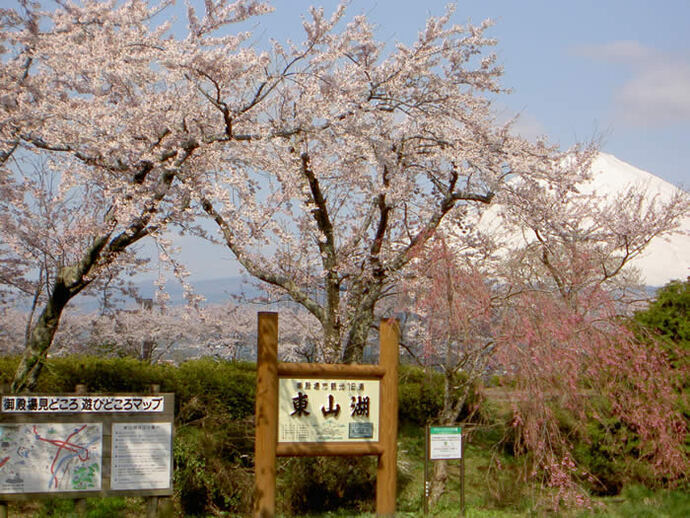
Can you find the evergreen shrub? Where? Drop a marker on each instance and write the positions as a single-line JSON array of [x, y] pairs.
[[319, 484], [420, 395]]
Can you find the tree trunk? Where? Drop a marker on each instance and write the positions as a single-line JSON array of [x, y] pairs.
[[363, 302], [357, 340], [439, 478], [448, 416], [41, 338]]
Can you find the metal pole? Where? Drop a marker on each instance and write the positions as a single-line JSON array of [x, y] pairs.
[[425, 497], [152, 501], [462, 477]]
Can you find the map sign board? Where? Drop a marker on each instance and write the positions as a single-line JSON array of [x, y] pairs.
[[445, 442], [80, 444], [50, 457], [328, 410]]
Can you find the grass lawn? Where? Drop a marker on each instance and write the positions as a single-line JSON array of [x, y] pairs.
[[485, 497]]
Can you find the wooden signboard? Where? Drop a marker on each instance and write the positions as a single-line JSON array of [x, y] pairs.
[[83, 445], [307, 409]]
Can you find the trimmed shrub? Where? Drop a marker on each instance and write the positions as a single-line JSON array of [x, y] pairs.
[[318, 484], [420, 395], [213, 468]]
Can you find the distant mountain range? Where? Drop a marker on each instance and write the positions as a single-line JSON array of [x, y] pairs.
[[215, 291]]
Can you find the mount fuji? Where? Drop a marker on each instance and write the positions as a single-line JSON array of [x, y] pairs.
[[666, 257]]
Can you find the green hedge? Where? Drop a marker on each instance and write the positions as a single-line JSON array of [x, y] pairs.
[[214, 438], [213, 449]]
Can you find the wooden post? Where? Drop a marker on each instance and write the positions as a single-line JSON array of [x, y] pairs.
[[151, 507], [387, 466], [266, 416], [4, 512], [152, 501]]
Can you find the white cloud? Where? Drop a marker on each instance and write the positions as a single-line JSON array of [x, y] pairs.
[[524, 124], [617, 51], [657, 94], [658, 91]]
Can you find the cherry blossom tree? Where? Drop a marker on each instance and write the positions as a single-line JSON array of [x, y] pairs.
[[364, 152], [12, 330], [322, 164], [153, 333], [541, 298], [563, 336], [578, 355], [115, 106], [455, 307], [567, 236]]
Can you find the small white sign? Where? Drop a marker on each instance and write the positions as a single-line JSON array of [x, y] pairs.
[[445, 442], [141, 456], [328, 410]]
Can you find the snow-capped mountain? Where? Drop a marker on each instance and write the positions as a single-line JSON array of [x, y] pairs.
[[665, 258]]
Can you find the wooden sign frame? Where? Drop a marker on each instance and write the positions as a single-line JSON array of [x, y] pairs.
[[107, 419], [267, 447]]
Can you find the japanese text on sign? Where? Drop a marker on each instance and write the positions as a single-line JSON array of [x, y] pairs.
[[87, 404], [445, 442], [328, 410], [141, 456]]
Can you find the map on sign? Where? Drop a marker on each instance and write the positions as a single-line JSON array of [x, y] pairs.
[[50, 457]]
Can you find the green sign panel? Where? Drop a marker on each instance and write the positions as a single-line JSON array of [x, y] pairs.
[[446, 430], [445, 442]]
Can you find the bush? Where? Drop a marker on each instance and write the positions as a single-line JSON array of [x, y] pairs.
[[213, 387], [420, 395], [214, 444], [318, 484], [213, 469], [102, 375], [8, 366]]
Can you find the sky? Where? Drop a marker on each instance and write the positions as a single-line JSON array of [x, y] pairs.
[[612, 70]]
